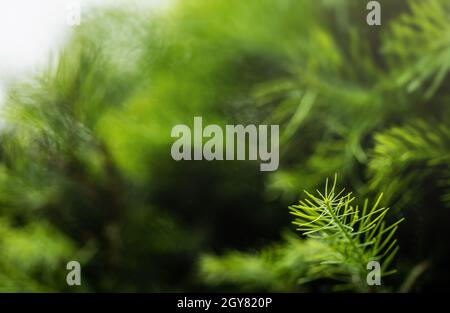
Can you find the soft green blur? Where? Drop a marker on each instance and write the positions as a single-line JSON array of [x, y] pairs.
[[86, 172]]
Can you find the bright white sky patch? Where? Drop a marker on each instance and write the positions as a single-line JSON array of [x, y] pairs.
[[32, 29]]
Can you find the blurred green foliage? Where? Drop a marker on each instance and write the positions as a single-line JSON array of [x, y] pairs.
[[85, 167]]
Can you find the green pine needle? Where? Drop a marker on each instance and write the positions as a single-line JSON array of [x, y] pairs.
[[360, 235]]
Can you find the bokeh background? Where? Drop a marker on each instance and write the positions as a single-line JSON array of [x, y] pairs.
[[85, 166]]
